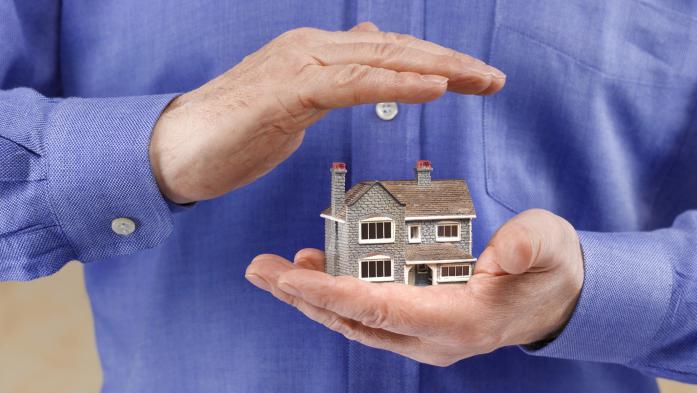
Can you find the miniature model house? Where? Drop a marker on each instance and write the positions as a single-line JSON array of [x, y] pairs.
[[418, 232]]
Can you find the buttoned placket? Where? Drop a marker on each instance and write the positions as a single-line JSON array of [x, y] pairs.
[[385, 144]]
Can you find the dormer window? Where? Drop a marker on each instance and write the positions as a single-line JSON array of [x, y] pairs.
[[448, 232], [376, 230]]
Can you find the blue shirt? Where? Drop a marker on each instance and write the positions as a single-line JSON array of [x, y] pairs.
[[597, 123]]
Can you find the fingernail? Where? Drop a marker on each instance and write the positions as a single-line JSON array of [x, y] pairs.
[[258, 281], [496, 73], [441, 80], [289, 289]]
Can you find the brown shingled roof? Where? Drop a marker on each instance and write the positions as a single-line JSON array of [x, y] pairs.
[[435, 252], [442, 197]]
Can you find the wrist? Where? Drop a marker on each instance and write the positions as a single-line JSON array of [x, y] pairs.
[[158, 152]]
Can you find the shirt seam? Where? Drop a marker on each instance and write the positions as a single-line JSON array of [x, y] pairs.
[[49, 193]]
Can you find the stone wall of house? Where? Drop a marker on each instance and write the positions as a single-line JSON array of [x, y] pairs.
[[429, 232], [330, 243], [375, 202], [342, 249]]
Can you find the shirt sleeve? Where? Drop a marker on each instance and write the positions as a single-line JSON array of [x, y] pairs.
[[68, 166], [638, 304], [68, 169]]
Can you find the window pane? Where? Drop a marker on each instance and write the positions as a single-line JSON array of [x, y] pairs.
[[466, 270], [458, 271], [388, 268], [364, 231], [444, 271], [414, 232], [380, 227], [446, 229], [371, 264], [380, 272], [364, 269], [388, 230], [371, 230], [454, 230], [441, 231]]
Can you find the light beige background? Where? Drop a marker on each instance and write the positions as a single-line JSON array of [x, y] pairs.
[[47, 342]]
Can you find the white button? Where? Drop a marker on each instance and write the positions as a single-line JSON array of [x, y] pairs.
[[123, 226], [386, 110]]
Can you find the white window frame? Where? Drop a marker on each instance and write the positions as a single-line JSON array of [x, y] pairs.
[[466, 277], [376, 241], [376, 258], [416, 239], [451, 238]]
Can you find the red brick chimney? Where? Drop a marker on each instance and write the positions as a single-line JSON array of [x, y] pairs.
[[338, 171], [423, 172]]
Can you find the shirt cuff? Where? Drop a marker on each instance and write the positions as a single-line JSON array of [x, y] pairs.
[[623, 301], [99, 171]]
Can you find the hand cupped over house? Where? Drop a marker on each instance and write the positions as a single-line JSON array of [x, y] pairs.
[[240, 125]]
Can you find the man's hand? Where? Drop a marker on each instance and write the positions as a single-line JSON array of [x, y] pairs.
[[524, 289], [240, 125]]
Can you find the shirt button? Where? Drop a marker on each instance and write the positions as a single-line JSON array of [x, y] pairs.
[[386, 110], [123, 226]]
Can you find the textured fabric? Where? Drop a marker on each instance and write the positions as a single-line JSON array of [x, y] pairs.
[[60, 197], [596, 124]]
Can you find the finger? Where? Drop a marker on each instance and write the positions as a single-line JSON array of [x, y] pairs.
[[463, 76], [338, 86], [310, 258], [531, 241], [264, 272], [356, 331], [365, 26], [394, 307], [407, 41]]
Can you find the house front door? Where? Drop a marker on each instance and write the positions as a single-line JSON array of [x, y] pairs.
[[422, 275]]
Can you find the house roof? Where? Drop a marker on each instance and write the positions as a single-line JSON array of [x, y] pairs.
[[442, 197], [435, 252]]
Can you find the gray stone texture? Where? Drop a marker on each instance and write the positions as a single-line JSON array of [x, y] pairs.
[[377, 202]]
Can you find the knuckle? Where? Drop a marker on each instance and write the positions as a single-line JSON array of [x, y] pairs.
[[333, 322], [452, 63], [537, 212], [351, 74], [350, 334], [340, 326], [300, 34], [398, 38], [375, 317], [389, 50]]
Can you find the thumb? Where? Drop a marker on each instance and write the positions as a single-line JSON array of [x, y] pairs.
[[365, 26], [535, 240]]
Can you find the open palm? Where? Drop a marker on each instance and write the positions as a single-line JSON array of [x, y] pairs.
[[524, 289]]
